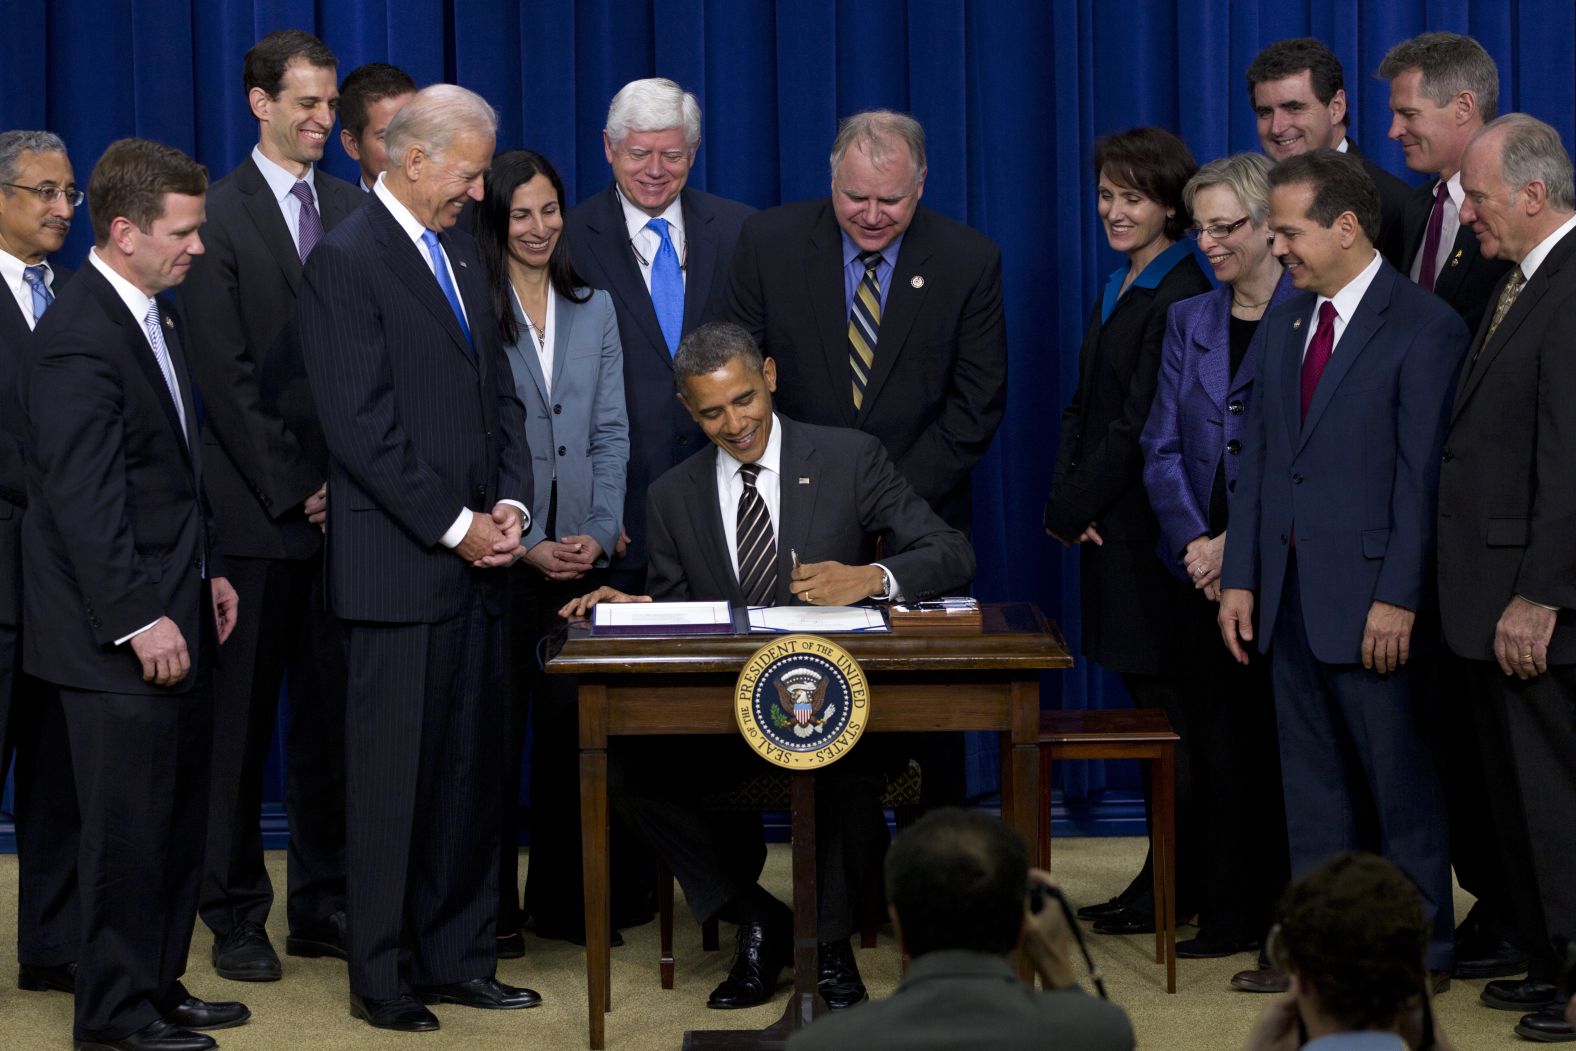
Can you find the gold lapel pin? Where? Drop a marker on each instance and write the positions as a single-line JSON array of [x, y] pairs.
[[917, 281], [1297, 323], [1455, 260], [169, 322]]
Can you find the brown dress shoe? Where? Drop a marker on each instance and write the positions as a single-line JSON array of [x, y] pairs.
[[1261, 980]]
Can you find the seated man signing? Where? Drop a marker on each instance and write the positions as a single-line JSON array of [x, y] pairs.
[[726, 525]]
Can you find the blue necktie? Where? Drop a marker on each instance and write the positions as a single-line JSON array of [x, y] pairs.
[[667, 287], [441, 270], [42, 296]]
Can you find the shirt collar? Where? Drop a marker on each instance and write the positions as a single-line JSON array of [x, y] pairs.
[[13, 272], [636, 220], [130, 294], [407, 222], [770, 459], [1347, 299], [1161, 265], [889, 253], [1453, 188], [280, 181], [1541, 250], [1344, 145]]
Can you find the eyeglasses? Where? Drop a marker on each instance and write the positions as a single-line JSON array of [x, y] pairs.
[[50, 194], [1216, 231]]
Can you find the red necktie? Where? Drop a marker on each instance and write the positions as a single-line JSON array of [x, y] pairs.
[[1436, 222], [1318, 355]]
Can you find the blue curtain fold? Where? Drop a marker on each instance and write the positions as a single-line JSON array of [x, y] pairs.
[[1012, 94]]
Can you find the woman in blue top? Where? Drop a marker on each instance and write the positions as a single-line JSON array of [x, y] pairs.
[[1130, 601], [561, 339]]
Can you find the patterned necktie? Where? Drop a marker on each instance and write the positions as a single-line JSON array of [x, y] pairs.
[[440, 270], [309, 225], [154, 326], [667, 286], [756, 543], [864, 323], [42, 296], [1318, 355], [1506, 298], [1428, 269]]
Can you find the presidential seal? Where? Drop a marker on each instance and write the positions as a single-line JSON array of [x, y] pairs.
[[801, 702]]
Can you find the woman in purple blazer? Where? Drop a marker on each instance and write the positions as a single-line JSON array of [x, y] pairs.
[[1191, 442]]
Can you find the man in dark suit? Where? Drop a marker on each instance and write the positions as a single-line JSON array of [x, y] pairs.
[[1298, 91], [124, 598], [266, 469], [1507, 518], [663, 250], [733, 527], [38, 197], [1331, 532], [368, 99], [881, 314], [428, 467], [1443, 86]]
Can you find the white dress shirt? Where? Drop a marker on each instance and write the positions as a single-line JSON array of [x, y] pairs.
[[1541, 250], [646, 240], [13, 272], [1448, 229], [543, 340], [1346, 301], [280, 183]]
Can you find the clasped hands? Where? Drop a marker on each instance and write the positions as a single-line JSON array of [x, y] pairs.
[[492, 539]]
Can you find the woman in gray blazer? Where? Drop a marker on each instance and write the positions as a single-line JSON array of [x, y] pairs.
[[561, 340]]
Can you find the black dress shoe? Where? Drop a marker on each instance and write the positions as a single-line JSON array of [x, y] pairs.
[[1119, 904], [1547, 1026], [765, 947], [574, 935], [205, 1014], [1205, 947], [1489, 960], [1525, 995], [511, 946], [326, 937], [1261, 980], [157, 1035], [837, 975], [488, 993], [403, 1013], [61, 978], [1128, 921], [246, 955]]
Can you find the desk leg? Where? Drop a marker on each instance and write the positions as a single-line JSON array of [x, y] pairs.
[[1165, 793], [1020, 776], [593, 856], [1044, 859]]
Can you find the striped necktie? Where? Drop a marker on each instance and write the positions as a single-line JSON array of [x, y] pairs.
[[310, 224], [756, 543], [42, 296], [864, 323]]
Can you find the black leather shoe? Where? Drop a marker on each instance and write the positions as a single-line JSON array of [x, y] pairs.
[[837, 975], [60, 979], [1439, 982], [1128, 921], [1489, 960], [488, 993], [403, 1013], [246, 955], [1525, 995], [1547, 1026], [205, 1014], [326, 937], [574, 935], [157, 1035], [1119, 904], [1261, 980], [1205, 947], [511, 946], [765, 947]]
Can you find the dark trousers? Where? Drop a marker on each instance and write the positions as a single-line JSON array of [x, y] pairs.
[[425, 710], [1352, 740], [33, 734], [661, 787], [1528, 734], [141, 764], [282, 629]]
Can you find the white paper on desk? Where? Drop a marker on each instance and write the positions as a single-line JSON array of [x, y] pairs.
[[815, 619], [659, 614]]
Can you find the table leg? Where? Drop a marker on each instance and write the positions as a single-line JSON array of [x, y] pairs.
[[593, 857], [1166, 823], [1044, 859]]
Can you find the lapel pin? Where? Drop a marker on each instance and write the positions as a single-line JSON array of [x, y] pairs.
[[462, 264], [917, 281], [1455, 260], [804, 481], [1297, 323], [169, 322]]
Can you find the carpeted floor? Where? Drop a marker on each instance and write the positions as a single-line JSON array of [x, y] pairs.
[[308, 1008]]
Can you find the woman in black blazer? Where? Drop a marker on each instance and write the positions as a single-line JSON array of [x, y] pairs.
[[1097, 501]]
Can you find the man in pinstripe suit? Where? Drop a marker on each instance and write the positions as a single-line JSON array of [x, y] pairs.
[[428, 465]]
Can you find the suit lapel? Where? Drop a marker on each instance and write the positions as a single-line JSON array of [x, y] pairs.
[[1364, 322], [564, 321], [798, 485], [1212, 337], [1462, 255], [525, 348], [183, 383], [700, 261], [609, 242], [334, 203], [1293, 336], [1249, 368], [402, 257], [823, 275], [905, 300], [1478, 363], [136, 344], [264, 212], [706, 521]]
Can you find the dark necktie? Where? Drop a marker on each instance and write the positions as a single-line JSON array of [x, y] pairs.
[[1429, 267], [667, 286], [756, 543], [440, 270], [310, 224], [1318, 355], [42, 296], [864, 324]]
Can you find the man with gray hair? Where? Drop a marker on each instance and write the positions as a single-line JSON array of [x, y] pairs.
[[1507, 515], [38, 198], [428, 469], [662, 249]]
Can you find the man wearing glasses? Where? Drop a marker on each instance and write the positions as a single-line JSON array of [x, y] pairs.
[[38, 197]]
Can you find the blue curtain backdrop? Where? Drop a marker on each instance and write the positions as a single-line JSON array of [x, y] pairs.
[[1011, 92]]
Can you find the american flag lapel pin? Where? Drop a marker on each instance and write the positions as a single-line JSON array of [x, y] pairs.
[[1297, 323], [169, 322]]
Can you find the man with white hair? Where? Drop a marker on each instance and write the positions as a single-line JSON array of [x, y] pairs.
[[663, 250], [428, 469]]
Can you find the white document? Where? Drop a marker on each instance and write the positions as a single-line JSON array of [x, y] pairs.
[[815, 619], [657, 615]]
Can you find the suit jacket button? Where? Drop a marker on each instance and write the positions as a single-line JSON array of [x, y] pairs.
[[1236, 407], [683, 439], [1234, 447], [558, 410], [1296, 479], [561, 450], [1283, 538], [1447, 457]]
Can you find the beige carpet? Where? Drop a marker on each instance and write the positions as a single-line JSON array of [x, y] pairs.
[[308, 1008]]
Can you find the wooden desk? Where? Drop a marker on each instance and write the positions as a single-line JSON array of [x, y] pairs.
[[988, 680]]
